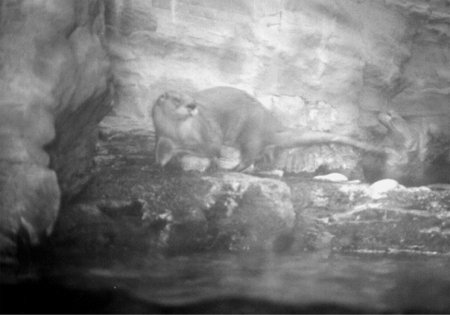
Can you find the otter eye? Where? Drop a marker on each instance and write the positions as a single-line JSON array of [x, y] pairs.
[[191, 106]]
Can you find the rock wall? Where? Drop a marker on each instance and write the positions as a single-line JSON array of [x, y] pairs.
[[54, 89], [323, 65]]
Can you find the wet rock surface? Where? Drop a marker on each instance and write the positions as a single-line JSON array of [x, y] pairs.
[[131, 203]]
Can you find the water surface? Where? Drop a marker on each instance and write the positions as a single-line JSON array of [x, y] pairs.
[[281, 283]]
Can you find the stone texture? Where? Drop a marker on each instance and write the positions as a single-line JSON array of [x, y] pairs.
[[321, 159], [253, 212], [382, 218], [54, 89]]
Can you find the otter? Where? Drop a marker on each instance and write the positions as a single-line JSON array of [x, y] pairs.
[[406, 150], [203, 123]]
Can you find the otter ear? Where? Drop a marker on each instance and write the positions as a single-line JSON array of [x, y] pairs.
[[165, 151]]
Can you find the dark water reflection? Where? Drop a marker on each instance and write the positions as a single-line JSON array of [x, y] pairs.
[[358, 282]]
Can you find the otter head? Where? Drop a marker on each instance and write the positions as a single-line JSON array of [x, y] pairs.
[[176, 105], [171, 113]]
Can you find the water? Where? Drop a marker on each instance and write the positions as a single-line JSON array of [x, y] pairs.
[[304, 282]]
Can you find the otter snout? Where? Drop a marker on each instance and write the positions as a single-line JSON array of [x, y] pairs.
[[192, 108]]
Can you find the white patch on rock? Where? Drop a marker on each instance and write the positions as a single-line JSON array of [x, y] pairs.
[[332, 177], [380, 188]]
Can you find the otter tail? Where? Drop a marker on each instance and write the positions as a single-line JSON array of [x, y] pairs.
[[292, 138]]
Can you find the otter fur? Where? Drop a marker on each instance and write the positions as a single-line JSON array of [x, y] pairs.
[[203, 123]]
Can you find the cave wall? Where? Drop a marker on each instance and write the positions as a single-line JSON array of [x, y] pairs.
[[54, 89]]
